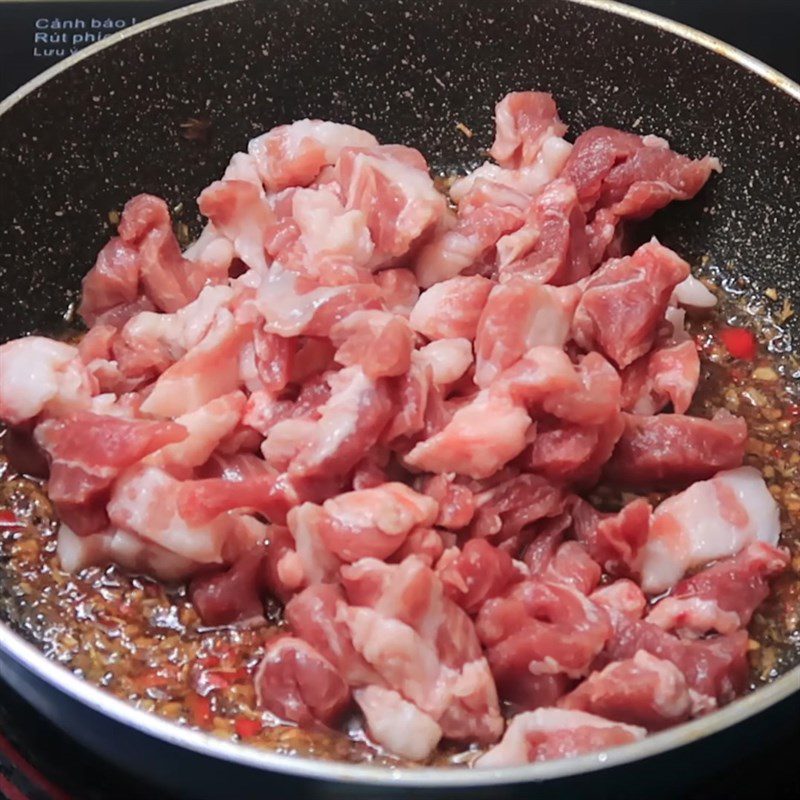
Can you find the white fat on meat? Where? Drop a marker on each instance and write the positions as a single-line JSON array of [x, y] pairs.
[[319, 565], [327, 228], [205, 427], [528, 180], [671, 697], [709, 520], [480, 438], [39, 374], [145, 501], [703, 613], [513, 750], [339, 416], [276, 151], [249, 374], [677, 318], [448, 359], [392, 508], [211, 247], [397, 725], [693, 293], [116, 546], [183, 329], [403, 658], [287, 312], [286, 439], [243, 167], [209, 369]]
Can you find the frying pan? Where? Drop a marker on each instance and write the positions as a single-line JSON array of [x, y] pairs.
[[105, 124]]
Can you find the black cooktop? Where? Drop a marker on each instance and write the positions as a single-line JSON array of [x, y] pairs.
[[37, 761]]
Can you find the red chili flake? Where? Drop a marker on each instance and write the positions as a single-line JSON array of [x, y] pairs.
[[215, 680], [739, 342], [152, 679], [246, 727], [226, 652], [793, 410], [200, 710], [208, 660], [210, 680], [8, 519]]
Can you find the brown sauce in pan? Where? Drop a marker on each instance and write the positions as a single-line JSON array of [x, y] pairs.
[[145, 644]]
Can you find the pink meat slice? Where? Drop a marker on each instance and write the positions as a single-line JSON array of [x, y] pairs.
[[423, 645], [293, 304], [88, 452], [427, 544], [373, 522], [666, 375], [624, 302], [503, 511], [523, 120], [332, 243], [294, 155], [233, 595], [349, 424], [570, 452], [595, 397], [476, 572], [116, 546], [517, 317], [456, 502], [206, 427], [715, 668], [570, 564], [481, 437], [379, 341], [451, 309], [39, 374], [239, 211], [399, 290], [550, 733], [467, 243], [541, 628], [391, 186], [208, 370], [146, 501], [631, 175], [622, 597], [158, 269], [282, 573], [274, 358], [723, 597], [396, 724], [644, 690], [709, 520], [298, 684], [318, 616], [615, 541], [552, 245], [112, 282], [672, 450]]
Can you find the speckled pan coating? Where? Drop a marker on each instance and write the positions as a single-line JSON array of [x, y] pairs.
[[110, 126]]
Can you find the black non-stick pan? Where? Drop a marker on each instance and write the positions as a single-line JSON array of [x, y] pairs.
[[110, 123]]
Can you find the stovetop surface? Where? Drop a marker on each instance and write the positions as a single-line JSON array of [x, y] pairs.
[[37, 761]]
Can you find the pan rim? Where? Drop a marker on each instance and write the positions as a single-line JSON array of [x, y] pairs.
[[31, 658], [148, 723], [706, 40]]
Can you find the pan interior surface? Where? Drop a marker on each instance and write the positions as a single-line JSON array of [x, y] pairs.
[[161, 111]]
